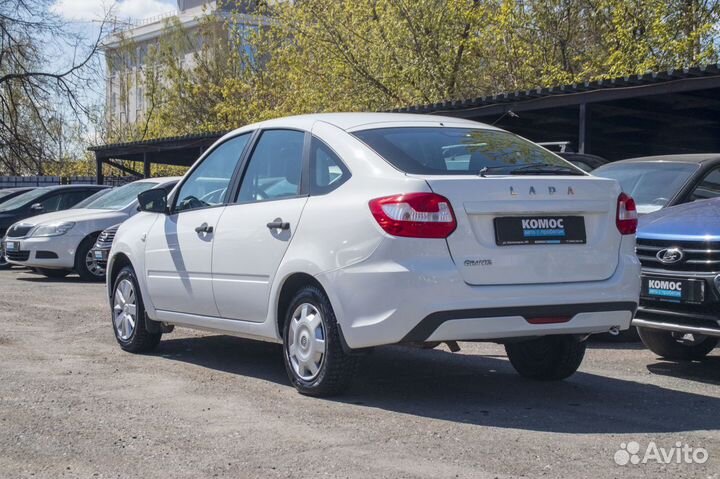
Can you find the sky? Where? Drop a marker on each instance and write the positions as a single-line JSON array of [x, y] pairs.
[[84, 17], [94, 10]]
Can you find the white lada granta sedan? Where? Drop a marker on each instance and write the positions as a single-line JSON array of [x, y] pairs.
[[334, 233]]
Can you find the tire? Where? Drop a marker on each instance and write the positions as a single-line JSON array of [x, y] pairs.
[[4, 262], [308, 318], [82, 268], [549, 358], [131, 338], [669, 345], [52, 273]]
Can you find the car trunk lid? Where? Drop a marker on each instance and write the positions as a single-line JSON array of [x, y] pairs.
[[532, 229]]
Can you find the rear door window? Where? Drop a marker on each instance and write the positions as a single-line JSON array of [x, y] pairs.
[[275, 168]]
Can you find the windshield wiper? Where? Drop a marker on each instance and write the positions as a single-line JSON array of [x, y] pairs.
[[545, 168], [487, 169]]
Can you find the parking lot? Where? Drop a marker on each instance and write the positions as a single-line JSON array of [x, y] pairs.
[[205, 405]]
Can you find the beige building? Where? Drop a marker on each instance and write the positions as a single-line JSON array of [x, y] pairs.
[[126, 52]]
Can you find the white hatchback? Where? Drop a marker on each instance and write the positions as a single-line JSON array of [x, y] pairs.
[[60, 242], [335, 233]]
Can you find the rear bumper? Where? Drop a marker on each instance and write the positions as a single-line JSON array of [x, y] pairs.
[[423, 298], [517, 321]]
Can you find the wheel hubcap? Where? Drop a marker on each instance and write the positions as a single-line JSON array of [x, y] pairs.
[[92, 265], [306, 341], [124, 310]]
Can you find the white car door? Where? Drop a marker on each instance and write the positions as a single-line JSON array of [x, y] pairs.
[[179, 245], [256, 228]]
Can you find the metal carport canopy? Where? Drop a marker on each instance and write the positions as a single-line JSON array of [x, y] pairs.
[[175, 151], [676, 111]]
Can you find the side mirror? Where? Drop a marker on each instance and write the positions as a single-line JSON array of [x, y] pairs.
[[154, 201], [37, 207]]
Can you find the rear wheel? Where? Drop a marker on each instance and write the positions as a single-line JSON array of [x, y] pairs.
[[85, 263], [680, 346], [128, 315], [314, 359], [52, 273], [549, 358]]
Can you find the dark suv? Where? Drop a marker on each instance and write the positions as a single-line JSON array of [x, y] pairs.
[[679, 248]]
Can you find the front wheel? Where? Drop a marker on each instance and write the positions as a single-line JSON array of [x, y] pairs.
[[86, 265], [128, 315], [671, 345], [314, 359], [549, 358]]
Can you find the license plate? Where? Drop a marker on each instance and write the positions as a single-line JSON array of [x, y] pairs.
[[12, 246], [100, 255], [525, 230], [675, 290]]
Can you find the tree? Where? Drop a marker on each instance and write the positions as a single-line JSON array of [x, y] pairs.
[[344, 55], [39, 93]]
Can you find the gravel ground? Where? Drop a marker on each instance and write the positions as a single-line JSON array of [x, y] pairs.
[[206, 405]]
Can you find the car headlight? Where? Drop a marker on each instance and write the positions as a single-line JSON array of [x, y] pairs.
[[56, 229]]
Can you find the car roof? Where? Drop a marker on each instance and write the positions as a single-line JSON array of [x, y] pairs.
[[18, 188], [351, 121], [71, 187], [686, 158], [163, 179], [159, 179]]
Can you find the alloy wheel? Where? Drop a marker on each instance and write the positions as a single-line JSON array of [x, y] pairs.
[[92, 265]]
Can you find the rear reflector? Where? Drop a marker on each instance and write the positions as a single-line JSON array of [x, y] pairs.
[[414, 215], [548, 319], [627, 217]]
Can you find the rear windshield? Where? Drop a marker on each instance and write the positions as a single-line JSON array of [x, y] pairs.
[[455, 151]]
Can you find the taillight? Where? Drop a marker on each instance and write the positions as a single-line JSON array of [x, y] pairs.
[[627, 217], [414, 215]]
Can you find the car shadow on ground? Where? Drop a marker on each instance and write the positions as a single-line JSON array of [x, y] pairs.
[[472, 389], [705, 371], [33, 278], [631, 346]]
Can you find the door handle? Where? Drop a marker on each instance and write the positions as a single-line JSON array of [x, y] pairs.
[[204, 228], [278, 224]]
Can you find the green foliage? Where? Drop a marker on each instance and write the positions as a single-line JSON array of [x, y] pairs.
[[346, 55]]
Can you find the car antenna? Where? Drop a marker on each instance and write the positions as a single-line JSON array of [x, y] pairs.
[[509, 113]]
